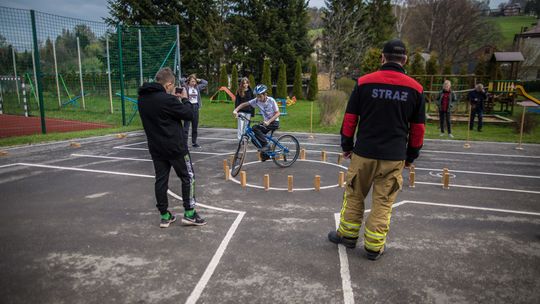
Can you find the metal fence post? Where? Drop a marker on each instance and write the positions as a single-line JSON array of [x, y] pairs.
[[121, 70], [39, 85]]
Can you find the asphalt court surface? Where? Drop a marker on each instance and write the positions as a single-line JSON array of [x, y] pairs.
[[79, 225]]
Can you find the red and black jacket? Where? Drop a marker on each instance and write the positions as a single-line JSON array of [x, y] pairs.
[[388, 109]]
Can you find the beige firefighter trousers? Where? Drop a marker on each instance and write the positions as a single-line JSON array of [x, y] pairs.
[[385, 177]]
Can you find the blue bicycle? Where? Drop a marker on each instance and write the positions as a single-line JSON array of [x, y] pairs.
[[283, 151]]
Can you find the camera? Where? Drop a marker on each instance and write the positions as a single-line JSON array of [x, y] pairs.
[[178, 90]]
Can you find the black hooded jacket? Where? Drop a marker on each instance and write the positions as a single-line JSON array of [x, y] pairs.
[[161, 116]]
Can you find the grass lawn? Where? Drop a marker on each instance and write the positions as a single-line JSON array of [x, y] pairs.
[[220, 115], [510, 26]]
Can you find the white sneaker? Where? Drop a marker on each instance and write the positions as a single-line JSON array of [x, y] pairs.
[[450, 135], [442, 134]]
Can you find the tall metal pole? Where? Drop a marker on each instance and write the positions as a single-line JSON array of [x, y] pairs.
[[36, 91], [179, 62], [80, 73], [121, 70], [109, 75], [15, 72], [56, 75], [140, 58], [37, 70]]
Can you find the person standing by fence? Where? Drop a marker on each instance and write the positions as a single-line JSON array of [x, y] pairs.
[[387, 111], [445, 102], [477, 99], [194, 86], [244, 94]]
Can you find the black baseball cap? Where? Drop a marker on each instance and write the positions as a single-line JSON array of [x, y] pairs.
[[394, 47]]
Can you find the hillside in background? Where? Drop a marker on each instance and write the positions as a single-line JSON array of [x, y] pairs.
[[510, 26]]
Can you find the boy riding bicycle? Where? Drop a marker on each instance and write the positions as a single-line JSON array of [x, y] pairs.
[[270, 112]]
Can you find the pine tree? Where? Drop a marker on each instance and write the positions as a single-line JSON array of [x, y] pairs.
[[432, 67], [313, 85], [267, 76], [234, 79], [464, 69], [371, 61], [297, 87], [282, 81], [223, 77], [381, 21], [252, 82], [417, 64]]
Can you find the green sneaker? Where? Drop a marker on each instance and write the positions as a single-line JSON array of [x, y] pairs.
[[166, 220]]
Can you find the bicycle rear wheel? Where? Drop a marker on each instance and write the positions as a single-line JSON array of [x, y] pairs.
[[239, 156], [286, 150]]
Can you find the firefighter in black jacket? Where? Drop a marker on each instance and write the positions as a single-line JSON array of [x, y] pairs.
[[162, 115], [387, 111]]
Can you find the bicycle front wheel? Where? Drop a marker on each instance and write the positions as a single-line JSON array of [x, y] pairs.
[[239, 156], [286, 150]]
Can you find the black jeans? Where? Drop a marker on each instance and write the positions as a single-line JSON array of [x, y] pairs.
[[474, 113], [194, 124], [261, 130], [442, 117], [184, 170]]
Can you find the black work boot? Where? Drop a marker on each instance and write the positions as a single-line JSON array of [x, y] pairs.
[[374, 255], [334, 237]]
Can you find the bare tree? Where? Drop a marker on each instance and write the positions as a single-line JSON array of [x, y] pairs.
[[401, 12], [449, 27]]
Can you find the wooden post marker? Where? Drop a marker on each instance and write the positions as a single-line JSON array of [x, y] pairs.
[[341, 179], [446, 179], [302, 153], [225, 164], [243, 179], [75, 144], [259, 156], [3, 153], [323, 155], [121, 135], [266, 181], [227, 172], [317, 182], [290, 183], [411, 176], [339, 159]]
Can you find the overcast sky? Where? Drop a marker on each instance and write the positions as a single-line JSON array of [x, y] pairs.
[[96, 9]]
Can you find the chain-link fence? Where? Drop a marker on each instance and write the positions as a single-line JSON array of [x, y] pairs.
[[75, 73]]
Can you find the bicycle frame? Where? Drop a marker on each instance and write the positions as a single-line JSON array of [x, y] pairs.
[[249, 134]]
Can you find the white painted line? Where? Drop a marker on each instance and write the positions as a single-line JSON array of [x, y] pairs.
[[480, 154], [190, 152], [97, 195], [178, 197], [469, 207], [286, 189], [348, 295], [481, 173], [9, 165], [86, 170], [129, 145], [479, 187], [196, 293], [111, 157]]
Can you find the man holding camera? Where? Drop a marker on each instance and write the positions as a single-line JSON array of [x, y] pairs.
[[477, 97], [162, 114]]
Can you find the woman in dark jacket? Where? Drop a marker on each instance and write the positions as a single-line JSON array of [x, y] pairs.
[[445, 102], [244, 94]]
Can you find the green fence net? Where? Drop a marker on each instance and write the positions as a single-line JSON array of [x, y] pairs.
[[80, 71]]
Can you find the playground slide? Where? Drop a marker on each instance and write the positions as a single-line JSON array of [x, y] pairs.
[[521, 91]]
